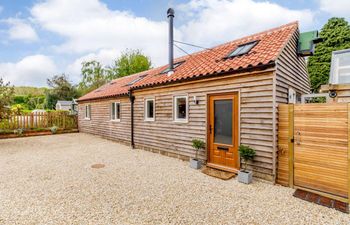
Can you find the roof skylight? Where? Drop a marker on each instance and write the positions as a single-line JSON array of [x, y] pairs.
[[137, 79], [175, 66], [242, 49]]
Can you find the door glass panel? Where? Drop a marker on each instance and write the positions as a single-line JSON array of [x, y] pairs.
[[223, 121]]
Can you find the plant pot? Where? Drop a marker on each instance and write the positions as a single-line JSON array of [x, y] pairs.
[[195, 164], [245, 177]]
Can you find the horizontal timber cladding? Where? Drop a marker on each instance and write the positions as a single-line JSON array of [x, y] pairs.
[[256, 116], [291, 72], [100, 122]]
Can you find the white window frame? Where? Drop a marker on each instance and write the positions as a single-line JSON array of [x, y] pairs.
[[176, 119], [334, 74], [87, 112], [146, 109], [116, 119]]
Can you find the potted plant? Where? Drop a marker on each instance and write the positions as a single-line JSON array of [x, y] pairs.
[[197, 145], [246, 154]]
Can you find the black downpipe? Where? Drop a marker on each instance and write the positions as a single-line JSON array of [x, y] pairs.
[[132, 100]]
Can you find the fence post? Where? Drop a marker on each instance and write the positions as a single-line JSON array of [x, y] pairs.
[[291, 144], [64, 121], [349, 152]]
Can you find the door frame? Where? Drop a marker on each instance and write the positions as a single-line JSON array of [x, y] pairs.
[[220, 93]]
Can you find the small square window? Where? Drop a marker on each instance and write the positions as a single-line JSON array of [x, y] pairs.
[[88, 112], [115, 111], [242, 49], [181, 108], [149, 110]]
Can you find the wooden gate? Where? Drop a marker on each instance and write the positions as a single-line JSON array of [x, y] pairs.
[[314, 148]]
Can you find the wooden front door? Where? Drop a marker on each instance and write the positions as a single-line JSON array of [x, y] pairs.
[[223, 132]]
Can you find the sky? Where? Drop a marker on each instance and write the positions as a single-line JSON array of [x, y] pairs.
[[43, 38]]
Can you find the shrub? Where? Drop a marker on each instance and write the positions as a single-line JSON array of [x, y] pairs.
[[246, 153], [19, 131], [198, 144], [54, 129]]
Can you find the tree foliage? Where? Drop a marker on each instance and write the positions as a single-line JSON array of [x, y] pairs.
[[6, 94], [61, 89], [336, 36], [94, 74], [130, 62]]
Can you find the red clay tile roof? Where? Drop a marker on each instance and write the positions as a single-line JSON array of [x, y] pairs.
[[205, 63]]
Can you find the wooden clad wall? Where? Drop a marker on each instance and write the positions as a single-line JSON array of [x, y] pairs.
[[256, 116], [291, 72], [100, 122]]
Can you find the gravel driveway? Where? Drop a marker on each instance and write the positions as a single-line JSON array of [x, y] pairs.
[[49, 180]]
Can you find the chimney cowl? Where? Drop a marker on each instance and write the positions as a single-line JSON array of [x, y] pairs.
[[171, 12]]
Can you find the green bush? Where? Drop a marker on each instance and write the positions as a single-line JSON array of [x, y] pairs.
[[246, 153], [198, 144], [54, 129], [19, 132]]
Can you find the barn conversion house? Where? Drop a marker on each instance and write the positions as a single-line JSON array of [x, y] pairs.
[[226, 95]]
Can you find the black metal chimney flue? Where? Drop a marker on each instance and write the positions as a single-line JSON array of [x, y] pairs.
[[171, 15]]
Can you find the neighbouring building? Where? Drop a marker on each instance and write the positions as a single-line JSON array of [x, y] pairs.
[[227, 96]]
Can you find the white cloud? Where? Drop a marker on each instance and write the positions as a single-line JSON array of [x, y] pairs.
[[31, 70], [90, 30], [213, 21], [104, 56], [340, 8], [89, 26], [21, 30]]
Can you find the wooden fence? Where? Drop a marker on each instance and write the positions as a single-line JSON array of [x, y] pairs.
[[314, 148], [38, 120]]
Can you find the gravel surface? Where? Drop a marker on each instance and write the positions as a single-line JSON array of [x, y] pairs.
[[49, 180]]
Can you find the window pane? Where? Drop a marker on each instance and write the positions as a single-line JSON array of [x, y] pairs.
[[150, 112], [86, 111], [113, 111], [344, 76], [118, 110], [344, 59], [223, 121], [181, 108], [89, 115]]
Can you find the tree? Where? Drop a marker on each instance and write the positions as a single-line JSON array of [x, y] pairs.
[[94, 76], [61, 89], [130, 62], [6, 94], [336, 36]]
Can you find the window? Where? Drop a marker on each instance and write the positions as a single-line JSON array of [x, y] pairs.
[[149, 110], [340, 68], [137, 80], [181, 108], [115, 111], [88, 112], [242, 49], [175, 66]]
